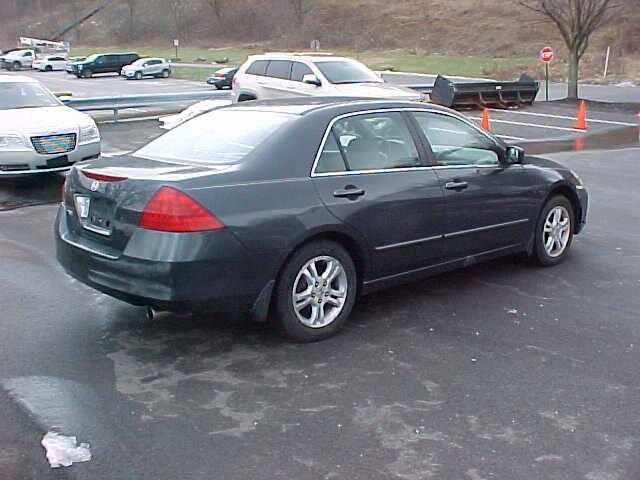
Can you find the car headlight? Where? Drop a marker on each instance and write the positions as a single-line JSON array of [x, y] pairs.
[[11, 141], [89, 133]]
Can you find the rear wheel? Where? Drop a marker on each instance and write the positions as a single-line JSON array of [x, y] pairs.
[[165, 74], [316, 292], [554, 231]]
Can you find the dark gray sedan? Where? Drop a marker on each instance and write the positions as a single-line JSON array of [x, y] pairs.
[[290, 209]]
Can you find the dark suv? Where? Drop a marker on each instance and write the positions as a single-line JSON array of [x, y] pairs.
[[103, 63]]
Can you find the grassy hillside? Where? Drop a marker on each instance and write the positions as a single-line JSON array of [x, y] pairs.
[[465, 37]]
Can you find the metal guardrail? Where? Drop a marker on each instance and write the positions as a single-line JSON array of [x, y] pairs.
[[116, 104]]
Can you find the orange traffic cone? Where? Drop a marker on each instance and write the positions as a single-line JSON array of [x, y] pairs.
[[485, 120], [581, 120]]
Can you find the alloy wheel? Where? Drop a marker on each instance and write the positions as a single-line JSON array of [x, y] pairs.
[[319, 291], [556, 231]]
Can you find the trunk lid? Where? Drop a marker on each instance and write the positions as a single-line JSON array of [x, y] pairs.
[[105, 198]]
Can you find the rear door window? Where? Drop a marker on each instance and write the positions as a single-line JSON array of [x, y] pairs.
[[376, 141], [279, 69], [259, 67]]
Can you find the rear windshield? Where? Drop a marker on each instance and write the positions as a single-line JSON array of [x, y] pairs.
[[218, 137], [344, 71], [25, 95]]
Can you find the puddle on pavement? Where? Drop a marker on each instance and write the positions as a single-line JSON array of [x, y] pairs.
[[613, 138], [41, 189]]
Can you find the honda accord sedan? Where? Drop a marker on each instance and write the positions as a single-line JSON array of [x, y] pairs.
[[290, 209]]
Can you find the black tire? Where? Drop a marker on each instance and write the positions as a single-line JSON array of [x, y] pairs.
[[540, 254], [87, 73], [15, 66], [284, 315], [48, 68]]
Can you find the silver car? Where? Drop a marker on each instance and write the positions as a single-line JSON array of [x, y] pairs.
[[154, 67], [38, 133]]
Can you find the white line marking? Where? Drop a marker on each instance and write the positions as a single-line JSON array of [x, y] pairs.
[[528, 124], [593, 120]]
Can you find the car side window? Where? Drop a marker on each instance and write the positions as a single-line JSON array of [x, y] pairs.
[[279, 69], [299, 70], [376, 141], [454, 142], [331, 159], [259, 67], [100, 60]]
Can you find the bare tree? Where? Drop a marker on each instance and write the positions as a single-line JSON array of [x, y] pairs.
[[131, 5], [299, 10], [216, 6], [576, 20]]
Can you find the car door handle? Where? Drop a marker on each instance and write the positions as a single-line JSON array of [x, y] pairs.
[[350, 193], [456, 185]]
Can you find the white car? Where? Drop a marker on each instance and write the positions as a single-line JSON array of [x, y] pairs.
[[50, 63], [38, 133], [155, 67], [18, 59], [282, 75], [172, 121]]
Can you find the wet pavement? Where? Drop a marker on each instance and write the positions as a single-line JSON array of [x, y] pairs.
[[501, 370]]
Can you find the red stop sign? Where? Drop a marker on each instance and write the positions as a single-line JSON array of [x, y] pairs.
[[546, 54]]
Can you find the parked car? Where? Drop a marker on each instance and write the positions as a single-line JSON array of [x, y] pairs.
[[103, 63], [222, 78], [284, 75], [145, 67], [292, 208], [18, 59], [38, 133], [50, 63], [71, 61], [172, 121]]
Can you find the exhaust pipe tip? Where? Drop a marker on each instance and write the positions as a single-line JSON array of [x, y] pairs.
[[155, 315]]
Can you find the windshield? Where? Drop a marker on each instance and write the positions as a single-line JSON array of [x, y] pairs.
[[140, 61], [218, 137], [91, 58], [343, 71], [25, 95]]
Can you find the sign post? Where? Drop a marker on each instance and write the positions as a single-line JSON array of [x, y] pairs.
[[176, 43], [545, 56]]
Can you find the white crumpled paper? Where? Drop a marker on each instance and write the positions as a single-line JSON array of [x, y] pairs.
[[62, 451]]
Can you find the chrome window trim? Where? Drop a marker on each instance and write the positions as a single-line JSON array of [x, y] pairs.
[[313, 173]]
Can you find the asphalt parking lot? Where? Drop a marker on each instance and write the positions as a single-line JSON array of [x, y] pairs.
[[501, 370]]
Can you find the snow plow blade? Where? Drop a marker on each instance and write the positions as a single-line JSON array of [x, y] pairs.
[[484, 94]]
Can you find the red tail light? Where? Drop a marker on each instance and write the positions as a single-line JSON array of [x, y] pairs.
[[102, 177], [170, 210]]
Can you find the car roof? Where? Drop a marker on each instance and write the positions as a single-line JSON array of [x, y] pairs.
[[17, 79], [306, 105], [305, 56]]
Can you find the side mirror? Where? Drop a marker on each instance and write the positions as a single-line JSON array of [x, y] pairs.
[[514, 155], [311, 80]]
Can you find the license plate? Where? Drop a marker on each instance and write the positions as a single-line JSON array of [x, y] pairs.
[[57, 162], [82, 205]]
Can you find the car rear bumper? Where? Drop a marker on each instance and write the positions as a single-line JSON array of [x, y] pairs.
[[23, 162], [210, 270]]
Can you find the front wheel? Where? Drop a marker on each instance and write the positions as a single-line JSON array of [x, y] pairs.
[[138, 75], [316, 292], [554, 231], [86, 73], [165, 74], [48, 68]]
